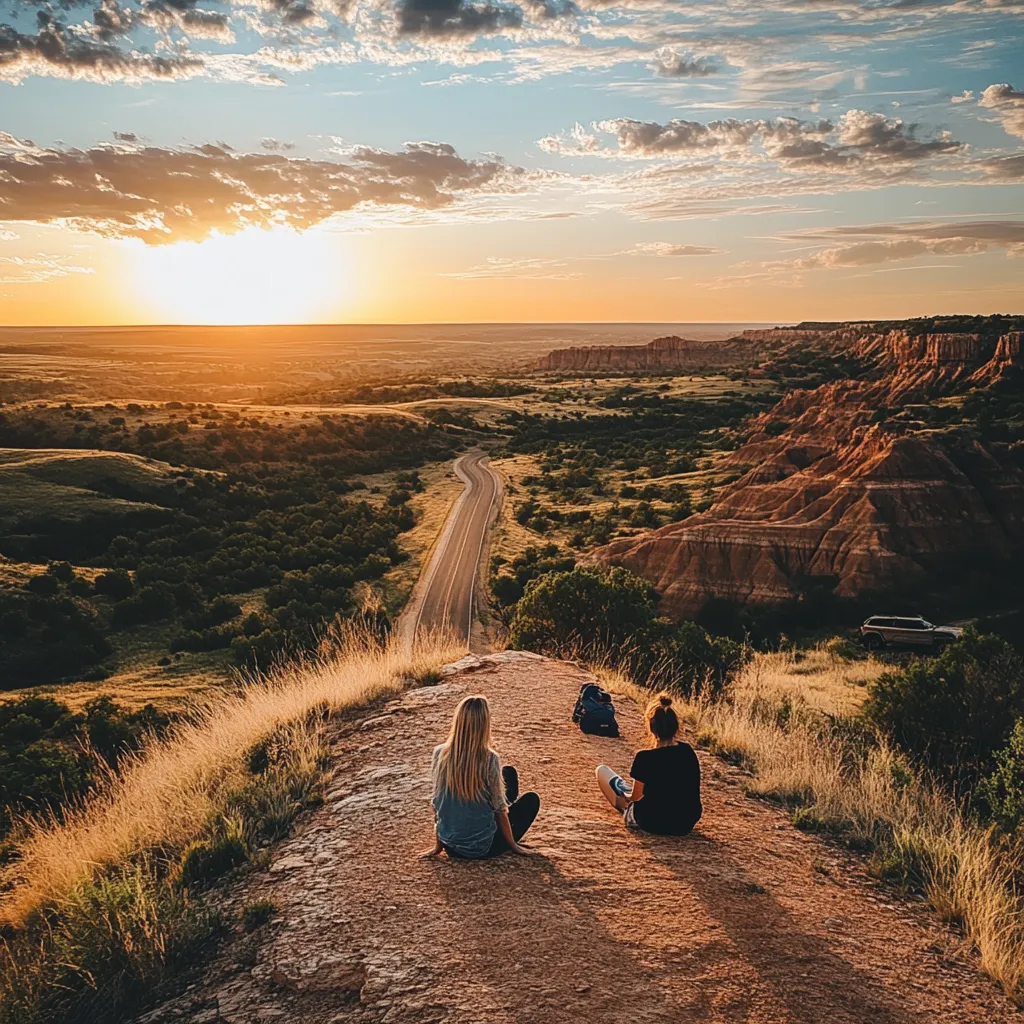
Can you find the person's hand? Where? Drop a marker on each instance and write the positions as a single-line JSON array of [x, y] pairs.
[[428, 854], [524, 851]]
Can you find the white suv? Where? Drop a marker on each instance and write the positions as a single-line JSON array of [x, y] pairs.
[[883, 631]]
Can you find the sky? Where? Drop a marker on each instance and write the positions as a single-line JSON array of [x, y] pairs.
[[332, 161]]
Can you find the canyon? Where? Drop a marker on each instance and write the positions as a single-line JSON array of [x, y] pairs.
[[843, 486]]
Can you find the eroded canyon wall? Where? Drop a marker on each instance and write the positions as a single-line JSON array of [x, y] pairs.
[[833, 490]]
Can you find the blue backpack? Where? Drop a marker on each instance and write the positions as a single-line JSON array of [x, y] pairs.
[[594, 712]]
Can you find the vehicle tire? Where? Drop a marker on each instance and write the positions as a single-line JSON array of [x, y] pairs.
[[873, 642]]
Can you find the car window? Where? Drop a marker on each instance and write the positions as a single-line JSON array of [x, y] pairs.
[[925, 624], [909, 624]]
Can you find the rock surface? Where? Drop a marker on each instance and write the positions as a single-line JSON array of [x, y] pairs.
[[829, 493], [748, 920]]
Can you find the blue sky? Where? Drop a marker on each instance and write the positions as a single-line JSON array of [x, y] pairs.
[[582, 161]]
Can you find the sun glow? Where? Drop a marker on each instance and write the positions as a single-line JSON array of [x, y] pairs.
[[253, 277]]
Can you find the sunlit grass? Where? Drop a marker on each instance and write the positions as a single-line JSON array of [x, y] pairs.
[[840, 779], [101, 907], [165, 794]]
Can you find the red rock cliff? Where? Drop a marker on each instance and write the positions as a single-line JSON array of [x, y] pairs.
[[669, 353], [835, 496]]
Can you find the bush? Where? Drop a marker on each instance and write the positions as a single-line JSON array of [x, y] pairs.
[[694, 659], [953, 712], [43, 585], [204, 860], [116, 584], [46, 750], [257, 914], [1003, 790], [586, 609], [117, 938], [611, 616]]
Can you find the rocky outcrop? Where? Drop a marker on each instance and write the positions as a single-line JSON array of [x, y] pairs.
[[732, 925], [836, 496], [669, 353], [1008, 354]]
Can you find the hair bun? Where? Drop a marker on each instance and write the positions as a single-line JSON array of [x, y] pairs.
[[665, 700]]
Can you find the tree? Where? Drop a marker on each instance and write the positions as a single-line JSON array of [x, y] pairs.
[[585, 610], [115, 584], [611, 615]]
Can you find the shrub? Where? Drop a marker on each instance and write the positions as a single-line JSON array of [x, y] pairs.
[[205, 859], [585, 608], [44, 585], [955, 711], [861, 790], [62, 571], [611, 616], [695, 660], [116, 940], [97, 922], [115, 584], [257, 914], [1003, 790]]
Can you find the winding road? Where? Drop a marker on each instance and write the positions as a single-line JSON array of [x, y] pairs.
[[445, 595]]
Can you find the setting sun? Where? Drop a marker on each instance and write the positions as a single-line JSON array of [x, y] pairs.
[[252, 277]]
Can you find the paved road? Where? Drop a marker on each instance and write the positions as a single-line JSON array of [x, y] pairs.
[[448, 588]]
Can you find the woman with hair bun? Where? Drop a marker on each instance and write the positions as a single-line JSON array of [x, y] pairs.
[[665, 795]]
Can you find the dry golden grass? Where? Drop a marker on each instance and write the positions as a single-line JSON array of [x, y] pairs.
[[820, 678], [166, 795], [843, 781]]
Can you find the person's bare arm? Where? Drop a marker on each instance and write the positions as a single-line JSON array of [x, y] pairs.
[[438, 848], [506, 830], [637, 792]]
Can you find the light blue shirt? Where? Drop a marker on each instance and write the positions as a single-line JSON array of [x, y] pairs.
[[468, 827]]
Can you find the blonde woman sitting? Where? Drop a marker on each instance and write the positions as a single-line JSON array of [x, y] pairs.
[[478, 811]]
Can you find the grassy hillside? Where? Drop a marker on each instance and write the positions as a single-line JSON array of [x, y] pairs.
[[74, 484], [104, 903]]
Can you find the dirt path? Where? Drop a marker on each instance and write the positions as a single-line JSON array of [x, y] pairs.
[[749, 920]]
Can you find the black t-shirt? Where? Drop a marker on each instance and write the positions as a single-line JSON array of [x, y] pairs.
[[671, 802]]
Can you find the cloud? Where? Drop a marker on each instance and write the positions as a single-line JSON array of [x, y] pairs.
[[276, 145], [858, 138], [61, 52], [556, 268], [965, 97], [670, 249], [669, 64], [1008, 105], [455, 18], [1004, 168], [531, 268], [173, 194], [135, 40], [868, 245], [36, 269]]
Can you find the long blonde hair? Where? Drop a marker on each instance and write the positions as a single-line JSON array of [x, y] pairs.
[[462, 763]]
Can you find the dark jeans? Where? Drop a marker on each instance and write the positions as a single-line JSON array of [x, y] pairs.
[[521, 812]]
